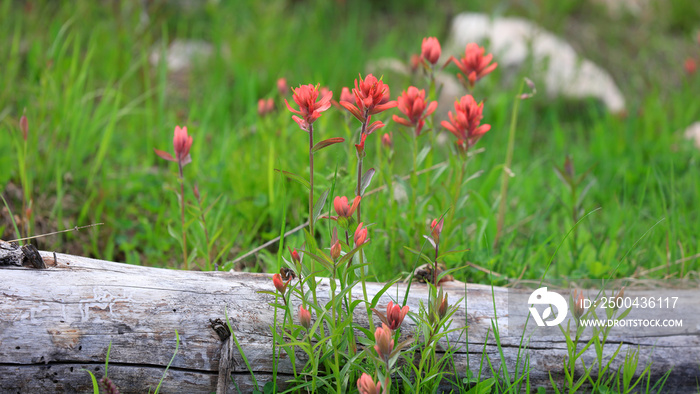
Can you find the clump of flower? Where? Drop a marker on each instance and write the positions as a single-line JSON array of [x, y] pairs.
[[387, 140], [415, 107], [280, 285], [343, 208], [474, 65], [465, 122]]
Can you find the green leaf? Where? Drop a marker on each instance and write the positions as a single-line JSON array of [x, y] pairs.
[[295, 178], [421, 254], [95, 386], [325, 143], [366, 179], [422, 155], [319, 205]]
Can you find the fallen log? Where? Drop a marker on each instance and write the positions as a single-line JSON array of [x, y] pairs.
[[59, 321]]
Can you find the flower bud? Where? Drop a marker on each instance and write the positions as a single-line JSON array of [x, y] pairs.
[[578, 304], [361, 236], [304, 317], [395, 315], [282, 86], [384, 342], [387, 140], [335, 245], [295, 256], [279, 284], [436, 228], [365, 385], [430, 50]]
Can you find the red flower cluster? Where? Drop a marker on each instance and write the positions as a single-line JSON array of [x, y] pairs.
[[474, 65], [465, 123], [361, 235], [365, 385], [343, 208], [413, 104], [305, 96]]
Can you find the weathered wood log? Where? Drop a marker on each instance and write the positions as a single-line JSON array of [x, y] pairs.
[[56, 322]]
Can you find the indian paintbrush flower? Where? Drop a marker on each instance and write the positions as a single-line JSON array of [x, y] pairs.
[[181, 144], [474, 65], [387, 141], [279, 284], [436, 229], [430, 50], [371, 97], [413, 104], [305, 96], [295, 256], [384, 343], [304, 317], [365, 385], [343, 208], [395, 315], [282, 86], [265, 106], [465, 122], [335, 245], [361, 236]]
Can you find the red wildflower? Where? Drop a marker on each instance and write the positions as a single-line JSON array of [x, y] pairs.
[[465, 124], [415, 62], [384, 342], [365, 385], [371, 97], [690, 66], [387, 140], [295, 256], [361, 236], [265, 106], [412, 103], [361, 146], [430, 50], [282, 86], [304, 317], [305, 96], [578, 304], [181, 144], [474, 65], [436, 228], [342, 208], [279, 284], [335, 245], [395, 315]]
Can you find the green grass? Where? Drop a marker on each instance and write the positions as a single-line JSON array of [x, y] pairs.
[[97, 108]]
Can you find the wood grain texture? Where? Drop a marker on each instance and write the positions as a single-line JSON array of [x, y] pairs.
[[58, 321]]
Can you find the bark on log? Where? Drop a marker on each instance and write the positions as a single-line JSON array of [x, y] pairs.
[[58, 321]]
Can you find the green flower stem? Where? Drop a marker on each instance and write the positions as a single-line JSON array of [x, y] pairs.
[[507, 164], [182, 216]]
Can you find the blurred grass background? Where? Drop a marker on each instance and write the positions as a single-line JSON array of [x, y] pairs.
[[97, 107]]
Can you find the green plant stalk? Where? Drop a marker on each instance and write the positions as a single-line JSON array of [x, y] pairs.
[[206, 232], [364, 293], [574, 217], [506, 166], [311, 179], [182, 216], [360, 157], [458, 190]]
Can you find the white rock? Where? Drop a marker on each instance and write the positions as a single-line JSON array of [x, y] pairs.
[[182, 54], [692, 133], [514, 40]]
